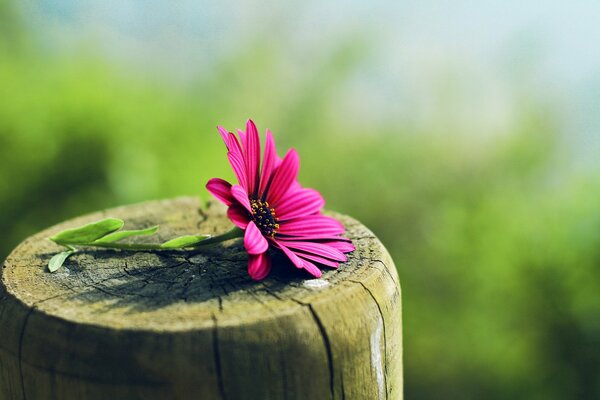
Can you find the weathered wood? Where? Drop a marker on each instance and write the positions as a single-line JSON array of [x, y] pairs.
[[126, 325]]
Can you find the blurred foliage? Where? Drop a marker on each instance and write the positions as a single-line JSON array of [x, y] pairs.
[[497, 242]]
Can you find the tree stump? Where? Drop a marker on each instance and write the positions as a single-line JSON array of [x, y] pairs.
[[141, 325]]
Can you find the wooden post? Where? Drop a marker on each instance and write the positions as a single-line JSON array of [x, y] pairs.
[[127, 325]]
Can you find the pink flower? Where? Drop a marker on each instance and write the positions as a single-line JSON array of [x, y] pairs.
[[274, 210]]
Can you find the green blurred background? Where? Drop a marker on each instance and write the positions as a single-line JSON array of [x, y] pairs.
[[465, 136]]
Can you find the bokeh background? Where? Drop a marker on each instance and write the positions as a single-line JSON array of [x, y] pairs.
[[464, 134]]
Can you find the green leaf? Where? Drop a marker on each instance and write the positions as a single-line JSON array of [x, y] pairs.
[[184, 241], [120, 235], [88, 233], [58, 260]]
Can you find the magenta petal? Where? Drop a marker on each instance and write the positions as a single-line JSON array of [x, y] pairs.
[[312, 269], [302, 203], [242, 136], [233, 144], [238, 215], [278, 161], [221, 189], [342, 246], [292, 191], [268, 165], [311, 225], [319, 259], [284, 176], [224, 135], [259, 266], [291, 255], [253, 156], [235, 147], [298, 262], [254, 241], [319, 249], [241, 196], [294, 186], [237, 163], [312, 237]]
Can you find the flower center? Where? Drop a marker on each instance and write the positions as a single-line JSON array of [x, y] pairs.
[[264, 217]]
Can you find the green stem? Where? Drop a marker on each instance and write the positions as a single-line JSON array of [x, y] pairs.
[[231, 234], [127, 246]]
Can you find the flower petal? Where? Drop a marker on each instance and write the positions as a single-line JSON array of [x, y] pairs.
[[240, 194], [291, 255], [319, 259], [294, 187], [225, 135], [238, 215], [312, 269], [311, 225], [291, 192], [254, 241], [234, 154], [252, 157], [237, 163], [221, 189], [259, 266], [284, 176], [342, 246], [315, 238], [235, 145], [268, 164], [242, 136], [298, 262], [231, 141], [319, 249], [300, 203]]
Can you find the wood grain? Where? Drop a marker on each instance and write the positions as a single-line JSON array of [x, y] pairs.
[[175, 325]]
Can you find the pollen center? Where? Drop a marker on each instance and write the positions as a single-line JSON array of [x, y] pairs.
[[264, 217]]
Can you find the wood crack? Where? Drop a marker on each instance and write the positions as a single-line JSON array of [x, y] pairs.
[[384, 333], [217, 357], [326, 343], [21, 337], [272, 293], [386, 270]]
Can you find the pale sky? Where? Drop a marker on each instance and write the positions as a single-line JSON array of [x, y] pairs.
[[552, 45]]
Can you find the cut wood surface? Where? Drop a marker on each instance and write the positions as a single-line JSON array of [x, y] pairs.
[[176, 325]]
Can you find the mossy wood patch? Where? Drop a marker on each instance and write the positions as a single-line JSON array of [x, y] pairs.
[[176, 325]]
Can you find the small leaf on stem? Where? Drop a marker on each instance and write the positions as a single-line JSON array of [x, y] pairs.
[[88, 233], [120, 235], [59, 259], [184, 241]]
